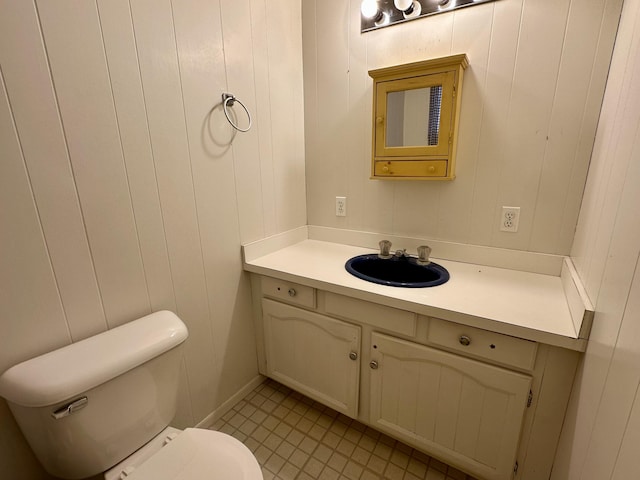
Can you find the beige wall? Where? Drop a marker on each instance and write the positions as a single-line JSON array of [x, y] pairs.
[[530, 106], [120, 193], [601, 434], [122, 187]]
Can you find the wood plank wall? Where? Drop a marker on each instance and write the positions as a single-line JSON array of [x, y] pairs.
[[123, 190], [530, 106], [601, 433]]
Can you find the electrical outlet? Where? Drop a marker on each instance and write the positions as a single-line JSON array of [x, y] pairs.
[[341, 206], [509, 219]]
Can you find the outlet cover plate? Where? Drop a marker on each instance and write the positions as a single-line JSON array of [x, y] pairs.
[[341, 206], [509, 219]]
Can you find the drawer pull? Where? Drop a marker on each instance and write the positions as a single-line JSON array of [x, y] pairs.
[[464, 340], [353, 355], [292, 292], [373, 364]]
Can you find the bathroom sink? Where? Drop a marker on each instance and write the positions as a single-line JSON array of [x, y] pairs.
[[397, 271]]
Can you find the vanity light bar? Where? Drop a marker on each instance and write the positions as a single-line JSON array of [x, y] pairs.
[[376, 14]]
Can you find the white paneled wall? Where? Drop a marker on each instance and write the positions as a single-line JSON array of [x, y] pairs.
[[530, 106], [123, 189], [602, 430]]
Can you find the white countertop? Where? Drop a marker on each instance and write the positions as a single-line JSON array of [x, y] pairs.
[[522, 304]]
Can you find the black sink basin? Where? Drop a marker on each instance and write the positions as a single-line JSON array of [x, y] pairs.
[[397, 271]]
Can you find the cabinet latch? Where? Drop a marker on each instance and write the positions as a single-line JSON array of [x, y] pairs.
[[530, 399], [515, 468]]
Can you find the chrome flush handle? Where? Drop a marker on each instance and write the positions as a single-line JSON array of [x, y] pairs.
[[70, 408]]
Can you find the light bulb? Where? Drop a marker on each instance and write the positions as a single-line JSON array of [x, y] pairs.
[[403, 4], [369, 8], [409, 8]]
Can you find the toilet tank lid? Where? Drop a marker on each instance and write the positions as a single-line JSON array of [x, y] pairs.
[[81, 366]]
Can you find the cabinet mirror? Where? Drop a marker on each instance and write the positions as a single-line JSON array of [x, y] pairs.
[[415, 118]]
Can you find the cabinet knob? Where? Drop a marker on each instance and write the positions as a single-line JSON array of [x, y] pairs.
[[385, 169], [353, 355], [432, 169], [464, 340], [292, 292], [373, 364], [379, 120]]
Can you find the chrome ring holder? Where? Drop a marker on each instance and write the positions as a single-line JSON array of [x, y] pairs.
[[228, 100]]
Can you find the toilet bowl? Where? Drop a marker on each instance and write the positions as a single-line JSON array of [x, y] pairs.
[[108, 400], [193, 454]]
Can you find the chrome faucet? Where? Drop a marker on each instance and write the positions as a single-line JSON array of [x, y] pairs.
[[424, 252], [401, 253]]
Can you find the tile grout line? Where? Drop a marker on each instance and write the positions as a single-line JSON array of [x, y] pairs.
[[277, 424]]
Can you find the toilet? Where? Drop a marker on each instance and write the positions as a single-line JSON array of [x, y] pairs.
[[103, 406]]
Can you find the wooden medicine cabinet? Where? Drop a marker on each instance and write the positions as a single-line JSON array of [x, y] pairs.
[[415, 119]]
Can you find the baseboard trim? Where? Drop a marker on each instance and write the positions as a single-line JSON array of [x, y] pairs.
[[214, 416]]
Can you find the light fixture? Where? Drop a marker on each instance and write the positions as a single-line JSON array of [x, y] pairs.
[[375, 14], [409, 8], [371, 11]]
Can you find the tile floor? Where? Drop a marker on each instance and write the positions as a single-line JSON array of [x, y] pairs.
[[294, 437]]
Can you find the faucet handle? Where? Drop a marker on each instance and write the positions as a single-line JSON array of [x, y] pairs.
[[385, 248], [423, 254]]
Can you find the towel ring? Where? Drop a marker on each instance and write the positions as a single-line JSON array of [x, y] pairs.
[[229, 100]]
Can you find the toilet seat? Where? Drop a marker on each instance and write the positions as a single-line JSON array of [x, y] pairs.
[[198, 454]]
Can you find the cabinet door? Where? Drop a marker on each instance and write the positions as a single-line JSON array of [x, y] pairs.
[[403, 104], [313, 354], [460, 410]]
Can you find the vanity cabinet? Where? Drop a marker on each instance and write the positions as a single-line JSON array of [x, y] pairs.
[[487, 403]]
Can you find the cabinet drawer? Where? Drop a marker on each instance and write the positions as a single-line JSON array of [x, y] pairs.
[[411, 168], [500, 348], [388, 318], [289, 292]]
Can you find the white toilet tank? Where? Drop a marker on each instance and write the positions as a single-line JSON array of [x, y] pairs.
[[85, 407]]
